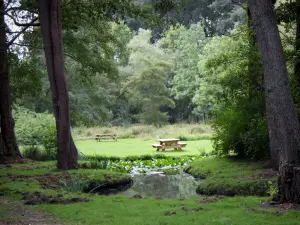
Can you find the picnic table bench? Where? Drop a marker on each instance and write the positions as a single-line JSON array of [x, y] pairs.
[[98, 137], [168, 143]]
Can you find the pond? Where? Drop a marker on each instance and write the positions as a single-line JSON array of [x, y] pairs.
[[157, 184]]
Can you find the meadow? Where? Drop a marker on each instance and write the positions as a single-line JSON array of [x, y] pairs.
[[137, 140], [137, 147]]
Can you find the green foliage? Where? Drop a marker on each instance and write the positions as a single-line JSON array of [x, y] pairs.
[[38, 154], [184, 45], [146, 87], [232, 85], [49, 140], [33, 152], [273, 189], [25, 78], [35, 130]]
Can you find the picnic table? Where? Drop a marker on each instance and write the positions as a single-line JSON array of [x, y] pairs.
[[98, 137], [168, 143]]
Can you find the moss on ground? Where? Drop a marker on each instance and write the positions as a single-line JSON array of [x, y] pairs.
[[231, 176]]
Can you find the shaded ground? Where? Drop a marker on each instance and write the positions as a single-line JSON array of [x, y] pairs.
[[15, 212]]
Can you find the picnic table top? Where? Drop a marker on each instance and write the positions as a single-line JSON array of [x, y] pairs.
[[168, 139]]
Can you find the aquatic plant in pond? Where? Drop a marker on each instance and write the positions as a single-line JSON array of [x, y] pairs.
[[141, 166]]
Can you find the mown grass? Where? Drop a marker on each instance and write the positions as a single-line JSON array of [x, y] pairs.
[[115, 210], [231, 176], [185, 131], [137, 147]]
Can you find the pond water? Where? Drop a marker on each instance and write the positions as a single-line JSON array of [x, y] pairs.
[[157, 184]]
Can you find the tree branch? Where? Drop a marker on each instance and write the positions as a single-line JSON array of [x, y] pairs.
[[21, 32], [31, 23]]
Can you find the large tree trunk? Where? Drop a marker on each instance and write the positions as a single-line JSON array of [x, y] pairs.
[[50, 19], [8, 142], [297, 45], [283, 124]]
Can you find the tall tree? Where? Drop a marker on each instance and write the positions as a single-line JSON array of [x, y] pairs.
[[51, 27], [297, 45], [146, 86], [283, 124], [8, 143]]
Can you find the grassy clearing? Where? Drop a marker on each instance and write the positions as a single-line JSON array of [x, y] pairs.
[[185, 131], [231, 176], [126, 147]]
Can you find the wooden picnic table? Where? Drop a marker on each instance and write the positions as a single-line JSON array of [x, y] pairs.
[[167, 143], [98, 137]]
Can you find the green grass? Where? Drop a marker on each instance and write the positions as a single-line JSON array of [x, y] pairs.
[[126, 147], [231, 176], [115, 210]]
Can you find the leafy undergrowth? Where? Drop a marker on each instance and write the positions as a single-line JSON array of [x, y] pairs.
[[231, 176]]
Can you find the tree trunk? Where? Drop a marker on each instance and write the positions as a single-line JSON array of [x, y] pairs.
[[50, 19], [297, 45], [283, 124], [8, 143]]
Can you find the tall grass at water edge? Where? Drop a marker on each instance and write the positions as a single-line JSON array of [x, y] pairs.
[[185, 132]]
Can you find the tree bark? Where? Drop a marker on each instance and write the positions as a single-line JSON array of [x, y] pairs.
[[297, 45], [51, 27], [283, 124], [8, 143]]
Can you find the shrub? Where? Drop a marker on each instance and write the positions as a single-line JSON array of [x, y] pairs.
[[241, 132], [49, 140], [32, 152], [35, 129]]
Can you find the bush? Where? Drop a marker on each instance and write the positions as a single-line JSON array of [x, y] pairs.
[[49, 140], [38, 154], [32, 152], [241, 132], [36, 129]]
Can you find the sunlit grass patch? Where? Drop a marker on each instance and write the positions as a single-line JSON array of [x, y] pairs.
[[136, 146]]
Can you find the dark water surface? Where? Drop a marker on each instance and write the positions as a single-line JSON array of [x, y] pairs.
[[164, 186]]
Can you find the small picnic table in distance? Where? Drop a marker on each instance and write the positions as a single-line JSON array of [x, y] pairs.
[[98, 137], [169, 143]]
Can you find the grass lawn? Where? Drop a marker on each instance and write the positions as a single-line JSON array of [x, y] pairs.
[[115, 210], [126, 147]]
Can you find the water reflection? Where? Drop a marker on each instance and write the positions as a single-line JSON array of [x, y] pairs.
[[163, 186]]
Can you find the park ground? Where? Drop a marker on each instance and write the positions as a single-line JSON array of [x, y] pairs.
[[234, 191]]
